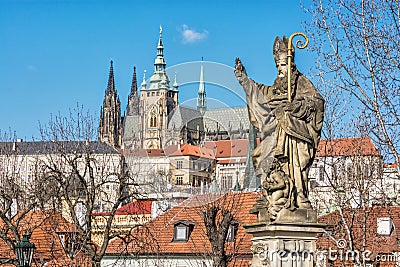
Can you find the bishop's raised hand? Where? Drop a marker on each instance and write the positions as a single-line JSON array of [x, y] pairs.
[[240, 71]]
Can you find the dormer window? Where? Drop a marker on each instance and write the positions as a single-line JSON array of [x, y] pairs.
[[67, 242], [182, 231], [232, 231]]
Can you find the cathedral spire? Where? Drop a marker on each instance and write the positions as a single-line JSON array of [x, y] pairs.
[[110, 114], [201, 95], [111, 85], [160, 46], [159, 63], [134, 83], [133, 98]]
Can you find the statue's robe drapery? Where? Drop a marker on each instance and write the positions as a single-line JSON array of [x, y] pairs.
[[282, 124]]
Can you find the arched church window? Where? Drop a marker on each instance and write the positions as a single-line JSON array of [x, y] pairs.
[[153, 121]]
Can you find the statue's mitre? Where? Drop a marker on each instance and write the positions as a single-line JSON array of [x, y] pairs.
[[280, 47]]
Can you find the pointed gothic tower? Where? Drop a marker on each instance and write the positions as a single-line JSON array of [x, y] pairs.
[[133, 98], [251, 181], [158, 100], [110, 114], [201, 95]]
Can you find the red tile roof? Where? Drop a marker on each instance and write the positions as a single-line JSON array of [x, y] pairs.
[[157, 235], [238, 148], [133, 208], [228, 148], [227, 161], [390, 165], [190, 150], [347, 147], [335, 147], [363, 226], [44, 226]]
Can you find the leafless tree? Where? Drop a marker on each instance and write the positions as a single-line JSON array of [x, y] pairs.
[[90, 176], [356, 43], [23, 189], [223, 220]]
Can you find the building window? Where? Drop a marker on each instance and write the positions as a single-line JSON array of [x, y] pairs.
[[232, 231], [153, 121], [179, 180], [196, 181], [182, 231], [148, 93], [179, 164], [227, 182]]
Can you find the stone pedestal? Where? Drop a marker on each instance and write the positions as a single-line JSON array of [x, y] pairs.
[[284, 244]]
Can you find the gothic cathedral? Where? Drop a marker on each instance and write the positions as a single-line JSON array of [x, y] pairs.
[[154, 119]]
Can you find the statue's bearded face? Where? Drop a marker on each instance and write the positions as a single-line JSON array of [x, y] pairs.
[[281, 65]]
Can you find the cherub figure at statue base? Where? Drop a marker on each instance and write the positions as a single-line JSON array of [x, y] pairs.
[[277, 204], [277, 187], [277, 201]]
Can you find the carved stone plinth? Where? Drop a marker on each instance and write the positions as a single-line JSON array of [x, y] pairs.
[[284, 244]]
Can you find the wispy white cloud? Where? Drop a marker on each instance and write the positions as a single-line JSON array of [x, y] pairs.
[[191, 35]]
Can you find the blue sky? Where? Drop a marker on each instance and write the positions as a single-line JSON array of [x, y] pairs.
[[55, 54]]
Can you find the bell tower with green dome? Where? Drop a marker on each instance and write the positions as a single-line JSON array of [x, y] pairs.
[[158, 100]]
